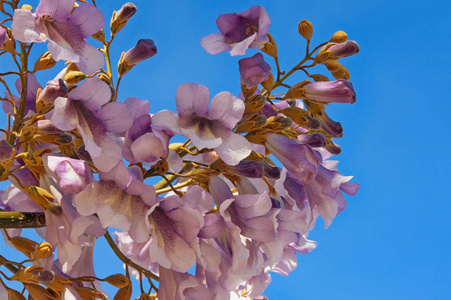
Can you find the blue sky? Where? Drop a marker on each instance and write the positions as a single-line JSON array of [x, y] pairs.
[[392, 241]]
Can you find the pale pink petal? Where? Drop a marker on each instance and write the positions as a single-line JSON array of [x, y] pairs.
[[24, 28], [93, 92], [241, 47], [64, 116], [58, 10], [233, 149], [226, 108], [116, 117], [91, 59]]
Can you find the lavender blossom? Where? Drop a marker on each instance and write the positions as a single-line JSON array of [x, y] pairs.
[[65, 32], [207, 127], [81, 110], [3, 36], [239, 31], [345, 49], [253, 70]]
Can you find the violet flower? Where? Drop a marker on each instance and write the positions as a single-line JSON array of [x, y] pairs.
[[300, 159], [82, 110], [239, 31], [340, 91], [144, 49], [65, 32], [253, 70], [207, 127], [54, 88]]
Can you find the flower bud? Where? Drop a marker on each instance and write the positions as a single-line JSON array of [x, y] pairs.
[[118, 280], [24, 245], [332, 65], [296, 91], [27, 6], [248, 92], [305, 29], [44, 62], [316, 139], [143, 50], [344, 49], [339, 37], [340, 91], [270, 47], [253, 105], [332, 147], [15, 295], [342, 73], [54, 89], [44, 249], [269, 83], [89, 293], [100, 36], [121, 17], [43, 276], [74, 77], [43, 199], [124, 293], [38, 292], [9, 44], [319, 77], [329, 126]]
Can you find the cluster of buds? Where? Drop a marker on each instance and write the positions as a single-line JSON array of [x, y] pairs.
[[237, 199]]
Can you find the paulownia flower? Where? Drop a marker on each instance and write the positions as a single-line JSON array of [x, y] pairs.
[[120, 199], [82, 110], [65, 32], [239, 31], [253, 70], [207, 127]]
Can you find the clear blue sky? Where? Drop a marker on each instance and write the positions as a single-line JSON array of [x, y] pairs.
[[392, 241]]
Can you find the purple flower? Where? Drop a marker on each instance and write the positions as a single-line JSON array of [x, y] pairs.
[[65, 32], [207, 128], [55, 88], [120, 199], [340, 91], [253, 70], [81, 110], [239, 31], [301, 160]]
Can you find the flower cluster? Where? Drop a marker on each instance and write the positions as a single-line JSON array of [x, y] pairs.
[[236, 200]]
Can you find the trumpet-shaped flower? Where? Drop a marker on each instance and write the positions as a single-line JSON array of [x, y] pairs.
[[81, 110], [65, 32], [239, 31], [207, 127]]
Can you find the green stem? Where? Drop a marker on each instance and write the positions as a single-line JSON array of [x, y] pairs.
[[22, 220]]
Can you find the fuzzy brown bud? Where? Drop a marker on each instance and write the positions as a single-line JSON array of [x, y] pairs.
[[319, 77], [74, 77], [305, 29], [44, 62], [342, 73], [296, 91], [118, 280], [339, 37], [268, 84], [270, 47]]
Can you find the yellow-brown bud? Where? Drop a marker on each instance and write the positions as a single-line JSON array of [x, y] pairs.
[[74, 77], [270, 47], [251, 123], [89, 293], [319, 77], [305, 29], [118, 280], [44, 249], [339, 37], [44, 62], [332, 65], [322, 55], [24, 245], [296, 91], [100, 36], [268, 84], [256, 137], [27, 6], [124, 293], [43, 199], [342, 73], [38, 292], [15, 295], [248, 92], [254, 104]]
